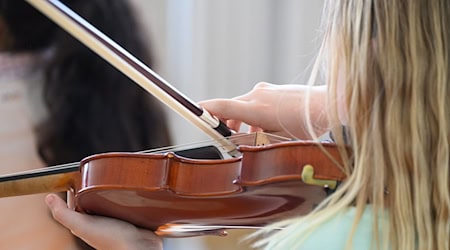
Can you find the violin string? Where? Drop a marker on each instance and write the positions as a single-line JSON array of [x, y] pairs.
[[234, 137], [74, 164], [177, 147], [39, 170], [187, 145]]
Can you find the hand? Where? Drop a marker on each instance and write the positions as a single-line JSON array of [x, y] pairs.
[[102, 232], [278, 109]]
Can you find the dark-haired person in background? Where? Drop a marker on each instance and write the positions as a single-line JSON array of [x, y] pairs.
[[60, 102]]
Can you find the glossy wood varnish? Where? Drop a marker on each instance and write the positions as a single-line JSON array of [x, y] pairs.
[[150, 191]]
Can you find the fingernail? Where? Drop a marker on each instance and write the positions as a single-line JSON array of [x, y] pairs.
[[50, 200]]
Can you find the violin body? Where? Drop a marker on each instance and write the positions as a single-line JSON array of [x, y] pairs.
[[161, 191], [155, 191]]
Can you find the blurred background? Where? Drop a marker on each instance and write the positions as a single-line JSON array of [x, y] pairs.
[[222, 48]]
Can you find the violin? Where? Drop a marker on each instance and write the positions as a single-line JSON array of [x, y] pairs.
[[238, 181], [169, 192]]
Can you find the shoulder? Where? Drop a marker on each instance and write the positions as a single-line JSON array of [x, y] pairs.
[[334, 233]]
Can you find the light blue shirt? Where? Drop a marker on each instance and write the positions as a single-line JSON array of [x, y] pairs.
[[334, 234]]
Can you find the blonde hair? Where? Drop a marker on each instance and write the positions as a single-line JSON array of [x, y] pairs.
[[393, 57]]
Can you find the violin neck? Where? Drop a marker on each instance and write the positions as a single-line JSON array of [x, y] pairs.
[[43, 181]]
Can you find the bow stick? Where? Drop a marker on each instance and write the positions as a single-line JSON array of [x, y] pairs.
[[135, 70]]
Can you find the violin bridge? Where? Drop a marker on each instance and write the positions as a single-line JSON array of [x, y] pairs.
[[308, 178], [261, 139]]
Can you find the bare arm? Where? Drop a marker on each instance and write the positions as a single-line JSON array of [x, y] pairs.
[[273, 108]]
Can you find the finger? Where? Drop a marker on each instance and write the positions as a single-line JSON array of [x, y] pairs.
[[96, 231], [102, 232], [254, 129], [234, 125], [81, 225], [223, 108], [230, 109], [227, 110], [64, 215]]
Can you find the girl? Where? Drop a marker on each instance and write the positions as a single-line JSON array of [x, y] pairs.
[[387, 75]]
